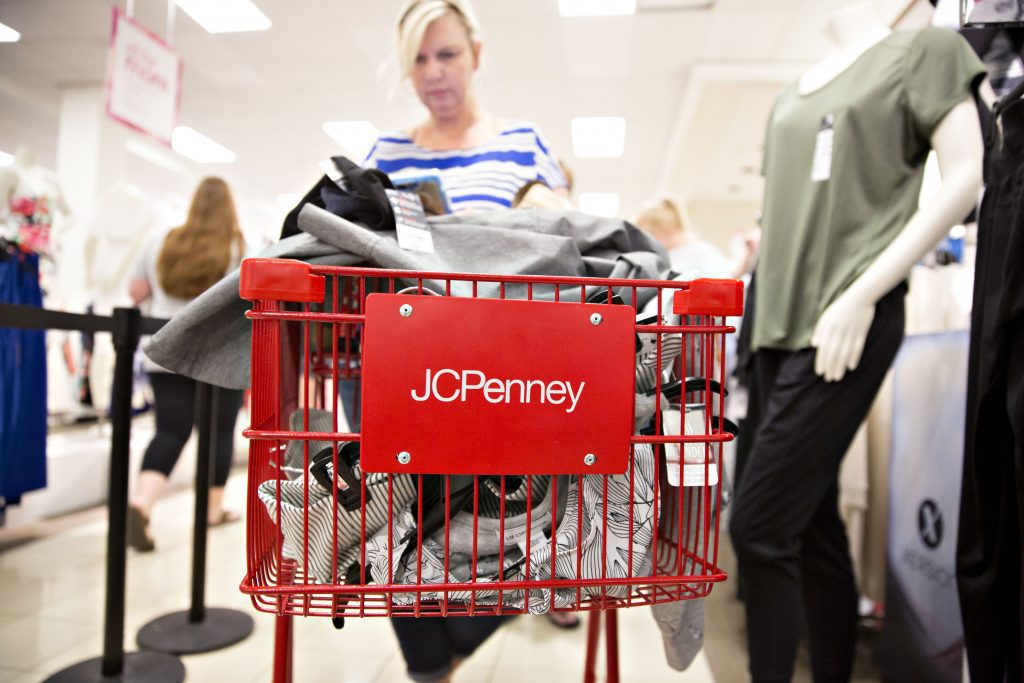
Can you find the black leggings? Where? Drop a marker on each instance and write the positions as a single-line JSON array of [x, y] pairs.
[[789, 539], [175, 398]]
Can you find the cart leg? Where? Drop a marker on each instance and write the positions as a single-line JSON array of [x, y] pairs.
[[593, 635], [611, 645], [283, 649]]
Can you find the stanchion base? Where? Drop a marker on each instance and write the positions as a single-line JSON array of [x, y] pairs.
[[174, 633], [138, 666]]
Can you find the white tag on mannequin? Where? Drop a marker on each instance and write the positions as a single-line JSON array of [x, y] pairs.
[[410, 221], [821, 167]]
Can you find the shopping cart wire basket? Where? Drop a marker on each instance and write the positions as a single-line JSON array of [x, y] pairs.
[[466, 444]]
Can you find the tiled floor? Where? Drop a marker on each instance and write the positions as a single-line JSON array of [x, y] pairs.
[[52, 597]]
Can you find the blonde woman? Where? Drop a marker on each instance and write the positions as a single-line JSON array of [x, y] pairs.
[[482, 160], [688, 254], [174, 269]]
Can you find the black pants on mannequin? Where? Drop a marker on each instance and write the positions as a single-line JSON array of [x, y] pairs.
[[789, 539]]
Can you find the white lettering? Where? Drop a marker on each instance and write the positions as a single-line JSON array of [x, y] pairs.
[[508, 390], [466, 386], [437, 376], [575, 397], [529, 390], [495, 390], [556, 390], [495, 385], [426, 390]]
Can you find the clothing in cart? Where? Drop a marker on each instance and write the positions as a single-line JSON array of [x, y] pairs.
[[209, 339]]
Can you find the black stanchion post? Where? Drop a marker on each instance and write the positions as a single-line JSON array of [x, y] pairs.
[[199, 629], [126, 339], [115, 664], [207, 403]]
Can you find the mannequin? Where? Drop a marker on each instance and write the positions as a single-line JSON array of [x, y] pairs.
[[31, 201], [841, 330], [844, 158]]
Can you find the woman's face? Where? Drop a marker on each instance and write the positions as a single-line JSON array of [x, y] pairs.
[[444, 67]]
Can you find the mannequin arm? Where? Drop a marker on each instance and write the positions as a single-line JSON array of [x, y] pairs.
[[842, 328]]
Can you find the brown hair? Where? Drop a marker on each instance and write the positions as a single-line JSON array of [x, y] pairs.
[[197, 254]]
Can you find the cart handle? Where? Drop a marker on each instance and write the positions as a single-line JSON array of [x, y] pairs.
[[274, 279], [708, 296]]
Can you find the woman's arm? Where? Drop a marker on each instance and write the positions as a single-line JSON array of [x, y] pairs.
[[139, 290]]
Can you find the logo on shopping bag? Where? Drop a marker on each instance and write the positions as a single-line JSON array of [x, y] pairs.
[[485, 386]]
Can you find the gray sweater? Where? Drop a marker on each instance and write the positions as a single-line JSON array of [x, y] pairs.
[[209, 339]]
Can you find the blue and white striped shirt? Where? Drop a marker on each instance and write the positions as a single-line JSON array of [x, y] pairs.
[[483, 177]]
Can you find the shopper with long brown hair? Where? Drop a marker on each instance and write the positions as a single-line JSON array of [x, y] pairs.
[[174, 269]]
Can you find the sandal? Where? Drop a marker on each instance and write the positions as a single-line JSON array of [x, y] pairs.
[[565, 620], [138, 531], [226, 517]]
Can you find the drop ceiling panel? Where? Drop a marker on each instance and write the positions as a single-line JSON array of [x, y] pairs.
[[668, 42], [743, 35], [598, 46]]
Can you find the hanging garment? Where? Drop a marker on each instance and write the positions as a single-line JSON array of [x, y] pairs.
[[990, 544], [22, 383]]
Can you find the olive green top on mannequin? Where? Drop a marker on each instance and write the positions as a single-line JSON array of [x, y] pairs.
[[844, 165]]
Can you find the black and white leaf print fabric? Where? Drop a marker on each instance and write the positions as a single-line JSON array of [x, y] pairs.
[[308, 514]]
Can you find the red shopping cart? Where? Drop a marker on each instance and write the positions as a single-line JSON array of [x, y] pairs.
[[521, 444]]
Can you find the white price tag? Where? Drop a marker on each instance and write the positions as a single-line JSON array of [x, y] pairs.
[[698, 465], [821, 167], [410, 221], [515, 533]]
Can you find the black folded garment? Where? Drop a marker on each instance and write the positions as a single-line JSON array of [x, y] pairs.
[[360, 198]]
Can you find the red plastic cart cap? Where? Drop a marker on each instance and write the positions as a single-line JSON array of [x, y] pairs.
[[273, 279], [710, 297]]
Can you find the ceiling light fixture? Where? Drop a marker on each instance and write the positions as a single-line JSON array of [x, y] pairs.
[[191, 143], [604, 204], [225, 16], [356, 137], [598, 136], [673, 5], [6, 159], [8, 34], [596, 8]]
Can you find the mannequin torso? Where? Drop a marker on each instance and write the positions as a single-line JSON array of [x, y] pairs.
[[842, 326], [31, 201], [852, 30]]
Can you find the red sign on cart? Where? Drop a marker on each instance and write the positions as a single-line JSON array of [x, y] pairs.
[[487, 386]]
